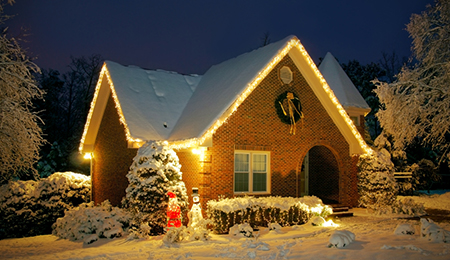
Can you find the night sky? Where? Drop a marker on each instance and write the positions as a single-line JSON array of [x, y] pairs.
[[191, 36]]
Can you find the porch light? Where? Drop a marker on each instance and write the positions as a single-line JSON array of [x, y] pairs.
[[199, 151], [87, 156]]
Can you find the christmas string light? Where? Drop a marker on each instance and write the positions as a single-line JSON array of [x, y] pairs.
[[104, 72], [252, 85], [195, 142]]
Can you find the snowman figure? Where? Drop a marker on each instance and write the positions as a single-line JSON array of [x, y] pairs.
[[195, 215]]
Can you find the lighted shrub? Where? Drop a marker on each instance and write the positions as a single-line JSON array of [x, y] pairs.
[[285, 211]]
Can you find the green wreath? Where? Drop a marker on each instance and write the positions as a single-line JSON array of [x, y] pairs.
[[282, 113]]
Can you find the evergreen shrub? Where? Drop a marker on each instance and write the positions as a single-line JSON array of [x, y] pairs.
[[285, 211], [29, 208], [155, 171]]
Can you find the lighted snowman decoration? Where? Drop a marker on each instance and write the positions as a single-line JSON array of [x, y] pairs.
[[195, 215]]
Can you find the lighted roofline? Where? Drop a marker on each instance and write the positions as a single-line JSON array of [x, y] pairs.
[[194, 142], [294, 42], [105, 72]]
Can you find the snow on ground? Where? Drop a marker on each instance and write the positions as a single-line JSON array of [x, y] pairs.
[[433, 201], [374, 239]]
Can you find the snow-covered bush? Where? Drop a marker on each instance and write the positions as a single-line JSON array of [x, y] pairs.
[[89, 223], [405, 229], [285, 211], [432, 232], [29, 208], [155, 171], [376, 183], [405, 206], [179, 234], [399, 159], [317, 221], [243, 229], [175, 234], [424, 173], [341, 238]]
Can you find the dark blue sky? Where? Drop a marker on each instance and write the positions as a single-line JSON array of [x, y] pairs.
[[190, 36]]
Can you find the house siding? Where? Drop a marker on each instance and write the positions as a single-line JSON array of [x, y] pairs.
[[256, 126], [112, 159]]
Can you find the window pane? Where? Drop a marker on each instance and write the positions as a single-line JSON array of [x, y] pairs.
[[241, 162], [259, 163], [259, 182], [241, 182]]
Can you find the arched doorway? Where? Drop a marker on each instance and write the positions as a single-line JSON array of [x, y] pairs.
[[319, 175]]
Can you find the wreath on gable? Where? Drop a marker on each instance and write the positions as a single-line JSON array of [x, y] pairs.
[[289, 108]]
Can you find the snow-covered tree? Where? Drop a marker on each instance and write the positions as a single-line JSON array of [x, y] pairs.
[[417, 104], [155, 172], [20, 133], [376, 183]]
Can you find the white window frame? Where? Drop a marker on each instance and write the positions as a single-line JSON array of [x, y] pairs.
[[251, 153]]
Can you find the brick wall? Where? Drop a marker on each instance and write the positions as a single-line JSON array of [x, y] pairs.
[[112, 159], [256, 124]]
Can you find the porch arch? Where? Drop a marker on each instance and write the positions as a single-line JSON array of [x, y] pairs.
[[319, 173]]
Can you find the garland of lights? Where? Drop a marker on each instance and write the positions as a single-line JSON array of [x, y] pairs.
[[192, 142], [283, 111]]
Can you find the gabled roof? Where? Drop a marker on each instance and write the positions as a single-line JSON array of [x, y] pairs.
[[149, 102], [142, 97], [340, 83]]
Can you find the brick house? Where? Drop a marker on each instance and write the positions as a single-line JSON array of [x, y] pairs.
[[263, 123]]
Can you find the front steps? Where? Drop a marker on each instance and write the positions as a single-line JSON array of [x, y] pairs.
[[340, 211]]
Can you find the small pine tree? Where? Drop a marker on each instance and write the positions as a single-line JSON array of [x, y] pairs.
[[155, 171], [376, 183]]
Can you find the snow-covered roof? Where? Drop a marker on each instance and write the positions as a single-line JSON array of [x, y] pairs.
[[340, 83], [221, 85], [151, 101], [187, 110]]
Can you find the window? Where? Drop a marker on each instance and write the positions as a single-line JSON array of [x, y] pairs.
[[286, 75], [251, 172]]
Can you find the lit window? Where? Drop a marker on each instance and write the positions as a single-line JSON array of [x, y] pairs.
[[251, 172]]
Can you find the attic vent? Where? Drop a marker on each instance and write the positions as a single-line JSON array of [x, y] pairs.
[[286, 75]]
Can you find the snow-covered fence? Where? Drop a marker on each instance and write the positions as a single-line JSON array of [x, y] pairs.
[[285, 211], [29, 208], [402, 175]]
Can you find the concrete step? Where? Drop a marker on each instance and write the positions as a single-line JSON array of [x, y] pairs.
[[340, 211], [341, 215]]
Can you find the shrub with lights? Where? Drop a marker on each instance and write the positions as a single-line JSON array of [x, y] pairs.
[[154, 173], [285, 211]]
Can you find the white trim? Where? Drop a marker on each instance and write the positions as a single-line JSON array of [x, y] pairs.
[[251, 153], [355, 119]]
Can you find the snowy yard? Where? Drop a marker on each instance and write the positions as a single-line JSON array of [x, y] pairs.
[[374, 239]]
